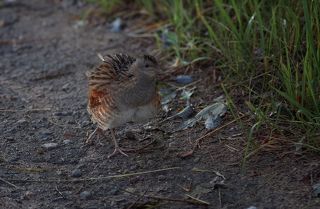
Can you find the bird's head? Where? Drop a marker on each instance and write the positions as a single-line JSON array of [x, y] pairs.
[[147, 65]]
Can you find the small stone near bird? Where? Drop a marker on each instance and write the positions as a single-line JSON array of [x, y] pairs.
[[85, 195], [50, 146], [76, 173], [116, 25], [316, 190], [184, 79]]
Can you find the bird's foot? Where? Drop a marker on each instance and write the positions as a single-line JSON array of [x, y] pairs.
[[116, 150], [89, 140]]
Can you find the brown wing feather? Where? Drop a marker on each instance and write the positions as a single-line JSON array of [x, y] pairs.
[[103, 82], [113, 69]]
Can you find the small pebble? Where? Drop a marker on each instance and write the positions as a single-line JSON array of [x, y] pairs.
[[196, 159], [50, 146], [45, 133], [71, 122], [59, 172], [114, 191], [172, 144], [184, 79], [10, 139], [65, 87], [85, 123], [133, 167], [27, 195], [62, 113], [161, 177], [76, 173], [316, 190], [85, 195], [22, 121], [67, 141], [252, 207], [186, 112], [116, 25], [130, 135], [150, 162]]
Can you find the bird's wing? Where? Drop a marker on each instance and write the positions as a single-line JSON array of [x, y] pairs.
[[106, 80], [113, 71]]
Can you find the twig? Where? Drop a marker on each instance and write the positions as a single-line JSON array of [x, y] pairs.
[[142, 35], [198, 200], [178, 88], [211, 171], [196, 144], [31, 110], [140, 196], [193, 201], [98, 178], [220, 201], [140, 148], [215, 130], [59, 192], [7, 182]]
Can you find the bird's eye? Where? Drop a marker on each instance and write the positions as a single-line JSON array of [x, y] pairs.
[[146, 65]]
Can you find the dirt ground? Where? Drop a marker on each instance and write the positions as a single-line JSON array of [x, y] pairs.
[[45, 50]]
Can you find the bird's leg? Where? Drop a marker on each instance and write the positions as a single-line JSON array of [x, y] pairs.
[[116, 145], [89, 139]]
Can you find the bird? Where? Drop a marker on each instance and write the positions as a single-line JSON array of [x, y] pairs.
[[122, 89]]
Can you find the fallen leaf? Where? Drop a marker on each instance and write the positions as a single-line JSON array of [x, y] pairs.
[[211, 114]]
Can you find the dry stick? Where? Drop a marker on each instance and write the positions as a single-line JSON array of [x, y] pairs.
[[31, 110], [140, 148], [135, 202], [193, 201], [98, 178], [215, 130], [198, 200], [220, 201], [7, 182]]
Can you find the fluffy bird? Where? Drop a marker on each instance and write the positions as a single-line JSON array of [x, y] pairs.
[[122, 89]]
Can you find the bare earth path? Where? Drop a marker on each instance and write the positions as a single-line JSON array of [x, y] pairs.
[[44, 54]]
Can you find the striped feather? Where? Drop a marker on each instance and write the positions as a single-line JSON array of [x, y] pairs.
[[115, 93]]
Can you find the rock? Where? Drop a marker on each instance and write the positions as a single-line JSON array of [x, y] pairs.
[[85, 123], [85, 195], [10, 139], [59, 172], [116, 25], [161, 177], [65, 87], [45, 133], [50, 145], [196, 159], [67, 141], [62, 114], [184, 79], [130, 135], [114, 190], [22, 122], [27, 195], [71, 122], [76, 173], [316, 190]]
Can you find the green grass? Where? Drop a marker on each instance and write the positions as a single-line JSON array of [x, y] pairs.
[[272, 48]]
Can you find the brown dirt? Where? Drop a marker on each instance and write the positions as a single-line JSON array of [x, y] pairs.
[[44, 54]]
